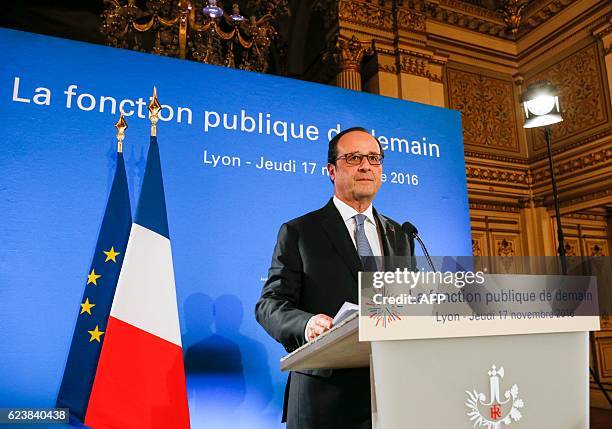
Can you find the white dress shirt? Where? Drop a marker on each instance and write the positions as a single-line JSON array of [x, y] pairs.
[[371, 231], [371, 228]]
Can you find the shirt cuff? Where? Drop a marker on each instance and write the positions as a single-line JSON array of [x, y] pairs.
[[306, 329]]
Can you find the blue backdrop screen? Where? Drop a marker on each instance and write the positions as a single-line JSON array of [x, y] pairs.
[[224, 136]]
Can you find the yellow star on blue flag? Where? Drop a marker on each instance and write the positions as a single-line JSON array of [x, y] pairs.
[[95, 334], [111, 255], [86, 307], [93, 277]]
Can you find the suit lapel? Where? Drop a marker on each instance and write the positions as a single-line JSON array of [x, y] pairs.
[[335, 228], [387, 233], [390, 241]]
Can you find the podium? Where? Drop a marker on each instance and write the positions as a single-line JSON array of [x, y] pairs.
[[535, 380]]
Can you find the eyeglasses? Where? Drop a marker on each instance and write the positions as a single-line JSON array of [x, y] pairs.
[[355, 158]]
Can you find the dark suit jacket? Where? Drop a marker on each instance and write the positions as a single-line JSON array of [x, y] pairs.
[[314, 270]]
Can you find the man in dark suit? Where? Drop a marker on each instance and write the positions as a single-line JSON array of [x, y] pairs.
[[314, 271]]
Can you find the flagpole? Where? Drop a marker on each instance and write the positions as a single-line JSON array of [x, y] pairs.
[[121, 126], [154, 109]]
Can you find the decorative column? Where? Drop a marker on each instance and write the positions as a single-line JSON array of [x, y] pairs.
[[402, 63], [536, 233], [347, 55]]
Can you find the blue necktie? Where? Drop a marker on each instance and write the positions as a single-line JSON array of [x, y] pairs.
[[363, 245]]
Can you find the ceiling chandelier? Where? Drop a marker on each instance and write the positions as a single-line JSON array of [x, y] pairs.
[[200, 30]]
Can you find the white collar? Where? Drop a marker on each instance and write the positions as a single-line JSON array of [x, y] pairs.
[[347, 212]]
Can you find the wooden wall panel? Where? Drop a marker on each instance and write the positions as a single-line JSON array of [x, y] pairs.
[[488, 108], [582, 96]]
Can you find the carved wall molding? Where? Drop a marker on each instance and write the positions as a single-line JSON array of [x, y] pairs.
[[499, 175], [463, 15], [417, 64], [507, 23], [531, 202], [585, 216], [536, 172], [520, 203], [581, 95], [388, 68], [412, 15], [495, 157], [407, 61], [585, 161], [471, 23], [410, 20], [380, 50], [605, 30], [602, 31], [572, 145], [538, 12], [543, 156], [366, 14], [488, 107], [494, 206], [472, 9], [428, 57], [585, 198], [374, 15]]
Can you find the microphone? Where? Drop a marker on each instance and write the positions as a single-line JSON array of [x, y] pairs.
[[412, 232]]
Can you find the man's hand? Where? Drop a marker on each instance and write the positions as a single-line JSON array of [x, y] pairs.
[[317, 325]]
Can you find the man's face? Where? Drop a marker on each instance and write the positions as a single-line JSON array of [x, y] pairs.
[[354, 183]]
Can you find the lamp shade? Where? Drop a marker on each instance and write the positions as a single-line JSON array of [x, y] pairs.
[[541, 104]]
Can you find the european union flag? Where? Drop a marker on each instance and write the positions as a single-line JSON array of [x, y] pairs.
[[94, 309]]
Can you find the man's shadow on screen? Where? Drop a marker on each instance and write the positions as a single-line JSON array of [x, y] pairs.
[[225, 369]]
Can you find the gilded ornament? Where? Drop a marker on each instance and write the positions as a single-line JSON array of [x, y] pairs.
[[197, 29], [513, 15], [121, 126], [348, 53], [154, 109]]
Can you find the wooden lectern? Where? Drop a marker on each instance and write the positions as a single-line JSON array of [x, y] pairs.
[[535, 381]]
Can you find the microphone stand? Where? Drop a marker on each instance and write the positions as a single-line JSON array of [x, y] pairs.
[[412, 232]]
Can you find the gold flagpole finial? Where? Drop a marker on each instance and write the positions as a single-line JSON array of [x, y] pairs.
[[154, 109], [121, 126]]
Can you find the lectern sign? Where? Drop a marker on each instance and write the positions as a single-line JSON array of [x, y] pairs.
[[402, 304], [496, 410]]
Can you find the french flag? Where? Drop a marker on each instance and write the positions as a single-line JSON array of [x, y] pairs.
[[140, 379]]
